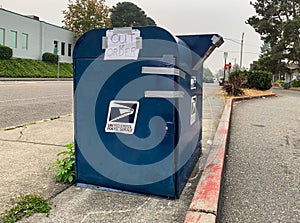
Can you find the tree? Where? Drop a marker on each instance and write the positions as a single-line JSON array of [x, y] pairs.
[[127, 14], [235, 67], [84, 15], [265, 48], [207, 72], [220, 73], [278, 23], [269, 60], [150, 22]]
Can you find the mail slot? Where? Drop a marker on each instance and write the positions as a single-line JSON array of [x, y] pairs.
[[138, 108]]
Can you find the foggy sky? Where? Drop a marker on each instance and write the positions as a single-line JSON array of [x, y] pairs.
[[226, 18]]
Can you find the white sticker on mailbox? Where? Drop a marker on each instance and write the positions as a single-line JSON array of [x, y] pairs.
[[193, 82], [122, 45], [193, 109], [121, 117]]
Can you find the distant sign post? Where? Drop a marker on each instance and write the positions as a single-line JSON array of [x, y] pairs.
[[225, 57]]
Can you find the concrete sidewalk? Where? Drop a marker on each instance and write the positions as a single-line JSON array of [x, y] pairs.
[[29, 151], [26, 153]]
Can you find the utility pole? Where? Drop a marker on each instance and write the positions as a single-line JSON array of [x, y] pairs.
[[235, 65], [241, 57]]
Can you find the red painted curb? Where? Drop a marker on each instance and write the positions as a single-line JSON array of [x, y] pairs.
[[253, 97], [197, 217], [204, 205]]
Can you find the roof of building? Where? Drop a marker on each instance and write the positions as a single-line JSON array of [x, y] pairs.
[[33, 17]]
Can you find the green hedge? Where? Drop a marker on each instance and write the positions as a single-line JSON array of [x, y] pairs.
[[5, 53], [260, 80], [50, 57], [33, 68], [295, 83]]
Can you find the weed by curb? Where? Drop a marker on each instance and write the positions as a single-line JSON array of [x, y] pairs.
[[20, 126], [31, 123], [65, 167], [25, 206], [54, 117]]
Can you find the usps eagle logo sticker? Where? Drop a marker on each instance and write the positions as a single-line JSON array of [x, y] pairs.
[[121, 117]]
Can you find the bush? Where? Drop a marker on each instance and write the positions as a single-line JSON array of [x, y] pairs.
[[260, 80], [295, 83], [286, 85], [235, 83], [50, 57], [280, 82], [5, 53]]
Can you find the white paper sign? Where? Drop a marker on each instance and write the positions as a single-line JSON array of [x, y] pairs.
[[122, 45]]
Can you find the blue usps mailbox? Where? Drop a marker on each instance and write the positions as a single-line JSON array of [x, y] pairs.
[[138, 108]]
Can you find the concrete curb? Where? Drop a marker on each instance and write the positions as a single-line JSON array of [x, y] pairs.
[[205, 203], [34, 79]]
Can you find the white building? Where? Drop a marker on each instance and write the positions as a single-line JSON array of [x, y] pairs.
[[30, 38]]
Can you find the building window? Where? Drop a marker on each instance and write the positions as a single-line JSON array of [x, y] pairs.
[[55, 49], [2, 35], [69, 50], [13, 39], [24, 41], [63, 49]]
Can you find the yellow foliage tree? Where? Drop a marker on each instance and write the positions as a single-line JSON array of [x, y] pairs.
[[84, 15]]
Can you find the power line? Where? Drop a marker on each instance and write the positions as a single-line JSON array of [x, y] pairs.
[[251, 45], [219, 51], [232, 40], [239, 43]]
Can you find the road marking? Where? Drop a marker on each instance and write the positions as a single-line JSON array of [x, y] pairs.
[[31, 99], [30, 84]]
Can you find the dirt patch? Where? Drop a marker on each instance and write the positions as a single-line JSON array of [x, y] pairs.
[[254, 92], [295, 88], [248, 92]]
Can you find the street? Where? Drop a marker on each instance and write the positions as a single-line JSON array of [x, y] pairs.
[[24, 102], [262, 175]]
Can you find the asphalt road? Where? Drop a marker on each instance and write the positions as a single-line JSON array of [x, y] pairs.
[[262, 175], [24, 102]]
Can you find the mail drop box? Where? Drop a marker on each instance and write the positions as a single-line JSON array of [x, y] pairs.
[[138, 108]]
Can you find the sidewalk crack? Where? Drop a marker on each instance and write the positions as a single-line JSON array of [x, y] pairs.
[[21, 133], [34, 143], [203, 211]]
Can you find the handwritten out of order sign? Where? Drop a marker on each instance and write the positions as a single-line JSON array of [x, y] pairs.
[[122, 45]]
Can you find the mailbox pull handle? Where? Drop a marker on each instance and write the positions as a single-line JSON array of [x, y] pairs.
[[170, 128]]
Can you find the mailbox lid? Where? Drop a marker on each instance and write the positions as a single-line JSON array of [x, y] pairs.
[[201, 46], [156, 42]]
